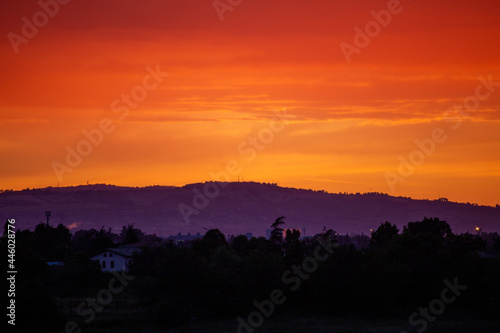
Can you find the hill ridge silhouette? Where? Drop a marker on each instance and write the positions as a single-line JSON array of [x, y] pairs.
[[239, 207]]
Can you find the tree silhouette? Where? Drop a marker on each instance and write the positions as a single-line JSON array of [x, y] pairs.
[[91, 241], [326, 235], [292, 236], [497, 244], [383, 235], [216, 237], [130, 234], [212, 240], [51, 243], [293, 247], [5, 229], [433, 225], [277, 232], [240, 245]]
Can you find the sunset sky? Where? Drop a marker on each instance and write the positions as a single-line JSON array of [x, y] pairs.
[[347, 123]]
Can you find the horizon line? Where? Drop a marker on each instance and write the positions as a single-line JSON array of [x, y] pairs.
[[441, 199]]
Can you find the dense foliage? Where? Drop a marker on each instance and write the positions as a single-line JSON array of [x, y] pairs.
[[219, 278]]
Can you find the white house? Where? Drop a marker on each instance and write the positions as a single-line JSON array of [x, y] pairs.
[[115, 260]]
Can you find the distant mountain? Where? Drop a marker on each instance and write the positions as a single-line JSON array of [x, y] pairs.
[[234, 208]]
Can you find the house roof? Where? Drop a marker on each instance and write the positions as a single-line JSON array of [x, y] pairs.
[[124, 251]]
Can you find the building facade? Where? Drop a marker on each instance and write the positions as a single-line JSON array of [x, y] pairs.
[[115, 260]]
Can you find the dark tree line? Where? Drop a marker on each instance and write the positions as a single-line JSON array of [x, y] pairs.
[[53, 264], [215, 278], [396, 274]]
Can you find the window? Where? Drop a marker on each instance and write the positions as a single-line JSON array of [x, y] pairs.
[[111, 254], [112, 264], [105, 255], [103, 264]]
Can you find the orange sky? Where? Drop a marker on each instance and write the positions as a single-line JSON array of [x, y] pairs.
[[348, 123]]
